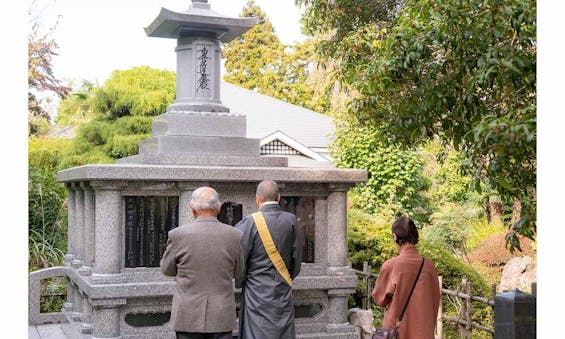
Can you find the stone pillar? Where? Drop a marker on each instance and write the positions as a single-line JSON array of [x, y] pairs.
[[337, 257], [338, 303], [79, 226], [321, 237], [77, 304], [86, 325], [89, 228], [337, 227], [185, 213], [106, 318], [71, 291], [108, 251], [70, 225]]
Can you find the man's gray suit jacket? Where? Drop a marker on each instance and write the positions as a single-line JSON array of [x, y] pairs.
[[204, 256]]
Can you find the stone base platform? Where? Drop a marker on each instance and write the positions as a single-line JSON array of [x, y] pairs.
[[61, 331]]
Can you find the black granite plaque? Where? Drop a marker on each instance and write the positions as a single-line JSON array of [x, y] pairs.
[[147, 319], [231, 213], [148, 219], [304, 209]]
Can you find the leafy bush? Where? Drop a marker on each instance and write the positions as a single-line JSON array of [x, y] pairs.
[[95, 156], [395, 179], [450, 227], [120, 146], [46, 153], [136, 91], [132, 125]]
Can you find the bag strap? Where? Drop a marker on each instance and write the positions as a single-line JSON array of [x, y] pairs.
[[270, 247], [410, 295]]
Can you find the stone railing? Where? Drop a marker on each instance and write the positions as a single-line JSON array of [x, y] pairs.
[[34, 312]]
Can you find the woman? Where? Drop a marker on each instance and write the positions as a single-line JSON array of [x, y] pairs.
[[395, 282]]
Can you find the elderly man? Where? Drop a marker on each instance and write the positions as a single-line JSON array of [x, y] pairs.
[[205, 256], [272, 245]]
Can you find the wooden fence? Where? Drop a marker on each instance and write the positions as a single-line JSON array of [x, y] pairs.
[[464, 319]]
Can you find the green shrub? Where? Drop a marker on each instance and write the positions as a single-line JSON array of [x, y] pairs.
[[93, 156], [120, 146], [395, 176], [132, 125], [136, 91], [95, 132], [450, 227], [46, 153]]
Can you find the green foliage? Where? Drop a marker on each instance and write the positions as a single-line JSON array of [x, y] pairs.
[[46, 203], [258, 61], [102, 140], [450, 227], [460, 71], [56, 288], [76, 108], [368, 238], [136, 91], [126, 104], [46, 153], [395, 181], [450, 185], [120, 146]]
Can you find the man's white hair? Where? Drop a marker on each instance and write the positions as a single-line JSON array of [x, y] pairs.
[[205, 199]]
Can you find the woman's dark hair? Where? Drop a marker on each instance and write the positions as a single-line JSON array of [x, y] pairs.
[[405, 230]]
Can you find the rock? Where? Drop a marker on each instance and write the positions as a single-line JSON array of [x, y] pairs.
[[363, 322], [520, 273]]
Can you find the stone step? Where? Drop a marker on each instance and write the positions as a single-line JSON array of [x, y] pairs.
[[200, 124], [186, 144]]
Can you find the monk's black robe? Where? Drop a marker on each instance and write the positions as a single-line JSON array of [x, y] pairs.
[[266, 310]]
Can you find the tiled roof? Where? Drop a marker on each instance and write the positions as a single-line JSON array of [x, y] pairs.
[[266, 115]]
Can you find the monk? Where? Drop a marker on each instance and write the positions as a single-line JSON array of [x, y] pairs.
[[266, 310]]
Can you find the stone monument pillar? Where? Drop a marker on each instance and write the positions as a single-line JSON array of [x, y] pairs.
[[120, 214]]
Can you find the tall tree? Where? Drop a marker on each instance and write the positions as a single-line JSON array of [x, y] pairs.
[[41, 78], [460, 71], [259, 61], [254, 59]]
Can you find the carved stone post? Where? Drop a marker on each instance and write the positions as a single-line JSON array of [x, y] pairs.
[[106, 318], [79, 226], [321, 217], [70, 225], [108, 220], [89, 229], [337, 227]]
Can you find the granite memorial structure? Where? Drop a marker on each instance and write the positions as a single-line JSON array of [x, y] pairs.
[[119, 214]]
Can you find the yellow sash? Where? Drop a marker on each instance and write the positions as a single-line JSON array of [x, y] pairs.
[[270, 247]]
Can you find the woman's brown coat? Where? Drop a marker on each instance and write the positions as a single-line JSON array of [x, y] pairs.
[[393, 286]]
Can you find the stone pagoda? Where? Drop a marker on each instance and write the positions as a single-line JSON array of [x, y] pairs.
[[119, 214]]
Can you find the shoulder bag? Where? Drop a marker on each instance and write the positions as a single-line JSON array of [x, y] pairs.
[[383, 333]]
